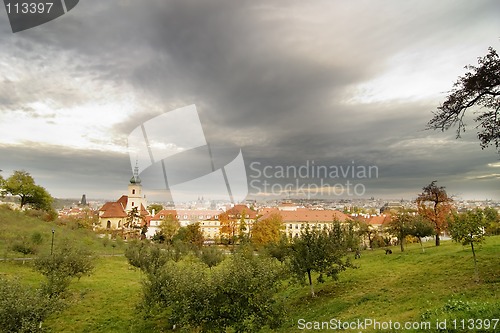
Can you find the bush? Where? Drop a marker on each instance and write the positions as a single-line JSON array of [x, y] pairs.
[[23, 309], [24, 247], [36, 238], [67, 262], [238, 295]]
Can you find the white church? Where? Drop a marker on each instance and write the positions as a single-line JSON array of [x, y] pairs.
[[113, 215]]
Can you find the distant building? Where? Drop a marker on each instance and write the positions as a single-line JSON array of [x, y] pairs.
[[298, 218], [113, 215], [208, 219]]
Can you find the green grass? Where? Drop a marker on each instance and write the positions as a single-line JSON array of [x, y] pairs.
[[15, 225], [411, 286], [408, 286]]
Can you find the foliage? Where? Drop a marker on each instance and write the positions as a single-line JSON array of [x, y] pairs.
[[279, 250], [366, 230], [211, 256], [321, 251], [468, 229], [228, 228], [400, 226], [22, 184], [156, 207], [419, 228], [267, 231], [168, 228], [23, 309], [435, 205], [237, 295], [493, 221], [479, 87], [65, 263], [190, 234], [147, 257], [24, 245], [134, 218]]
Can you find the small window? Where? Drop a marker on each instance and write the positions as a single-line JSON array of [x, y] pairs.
[[133, 191]]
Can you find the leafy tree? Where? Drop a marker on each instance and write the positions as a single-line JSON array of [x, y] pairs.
[[267, 231], [238, 295], [65, 263], [279, 250], [25, 246], [468, 229], [150, 258], [479, 87], [435, 205], [399, 226], [493, 220], [22, 184], [134, 218], [191, 234], [322, 251], [366, 230], [242, 228], [420, 227], [23, 309], [211, 256], [155, 207], [169, 226], [228, 228]]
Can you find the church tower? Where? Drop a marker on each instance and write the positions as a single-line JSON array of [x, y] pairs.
[[135, 197]]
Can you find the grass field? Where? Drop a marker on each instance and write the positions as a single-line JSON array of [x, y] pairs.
[[402, 287]]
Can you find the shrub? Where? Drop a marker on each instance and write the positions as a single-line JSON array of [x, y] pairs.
[[67, 262], [23, 309], [238, 295]]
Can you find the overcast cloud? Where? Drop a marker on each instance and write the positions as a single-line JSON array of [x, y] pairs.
[[287, 82]]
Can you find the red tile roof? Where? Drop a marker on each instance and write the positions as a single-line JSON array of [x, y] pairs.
[[113, 209], [308, 215], [237, 210], [164, 212]]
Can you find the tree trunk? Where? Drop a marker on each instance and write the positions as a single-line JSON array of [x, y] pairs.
[[311, 283], [476, 273], [438, 240], [421, 245]]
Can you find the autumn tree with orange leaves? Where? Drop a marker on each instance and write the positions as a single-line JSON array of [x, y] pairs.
[[267, 230], [228, 228], [435, 205]]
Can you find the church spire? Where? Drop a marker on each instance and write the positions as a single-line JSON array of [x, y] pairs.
[[135, 178]]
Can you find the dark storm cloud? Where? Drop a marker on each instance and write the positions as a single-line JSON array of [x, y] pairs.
[[67, 172], [269, 78]]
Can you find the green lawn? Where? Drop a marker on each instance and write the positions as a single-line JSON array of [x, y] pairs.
[[409, 286]]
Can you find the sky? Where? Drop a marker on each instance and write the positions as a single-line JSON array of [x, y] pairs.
[[290, 84]]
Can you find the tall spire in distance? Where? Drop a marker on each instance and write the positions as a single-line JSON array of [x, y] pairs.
[[135, 178]]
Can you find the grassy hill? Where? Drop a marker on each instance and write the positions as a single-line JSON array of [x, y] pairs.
[[402, 287]]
